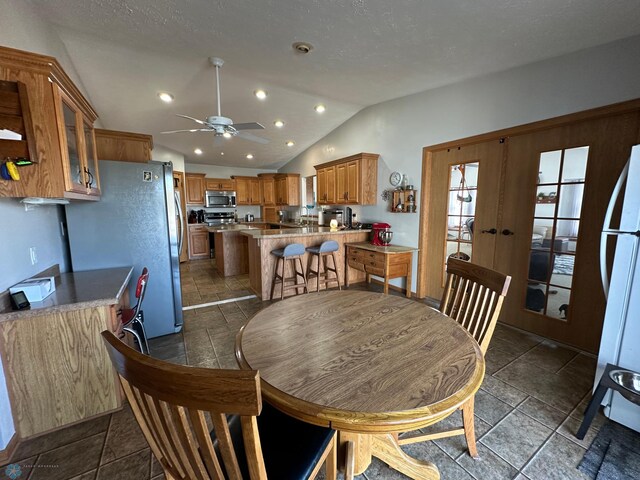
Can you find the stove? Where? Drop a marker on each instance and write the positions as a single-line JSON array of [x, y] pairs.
[[219, 218]]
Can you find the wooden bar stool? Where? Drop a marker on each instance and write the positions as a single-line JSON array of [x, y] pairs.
[[294, 253], [322, 252]]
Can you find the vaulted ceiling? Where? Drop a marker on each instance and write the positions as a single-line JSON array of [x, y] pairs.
[[365, 52]]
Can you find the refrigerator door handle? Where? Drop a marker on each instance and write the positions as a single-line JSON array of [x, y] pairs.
[[606, 229], [180, 221]]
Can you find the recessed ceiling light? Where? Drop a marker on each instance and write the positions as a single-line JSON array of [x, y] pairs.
[[302, 47], [226, 135], [319, 108], [261, 94], [249, 156], [197, 151], [279, 123], [290, 143], [221, 153], [165, 97]]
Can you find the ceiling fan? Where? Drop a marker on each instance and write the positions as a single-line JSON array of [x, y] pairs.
[[223, 127]]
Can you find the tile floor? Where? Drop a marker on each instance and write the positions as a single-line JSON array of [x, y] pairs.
[[528, 408]]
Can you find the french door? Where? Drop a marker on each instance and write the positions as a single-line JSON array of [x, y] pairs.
[[556, 190], [530, 204], [462, 207]]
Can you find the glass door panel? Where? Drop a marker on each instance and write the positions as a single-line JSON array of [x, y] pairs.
[[559, 195], [462, 198], [76, 174], [92, 160]]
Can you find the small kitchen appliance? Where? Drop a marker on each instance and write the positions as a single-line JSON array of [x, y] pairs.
[[35, 289], [281, 216], [336, 214], [249, 217], [219, 199], [200, 216], [349, 217], [381, 234]]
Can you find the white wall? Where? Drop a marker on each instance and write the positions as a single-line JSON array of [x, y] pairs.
[[399, 129], [22, 28], [164, 154]]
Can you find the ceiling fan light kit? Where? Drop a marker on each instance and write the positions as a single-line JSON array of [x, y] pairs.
[[223, 126]]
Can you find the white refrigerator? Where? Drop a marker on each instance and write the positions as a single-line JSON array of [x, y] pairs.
[[620, 344]]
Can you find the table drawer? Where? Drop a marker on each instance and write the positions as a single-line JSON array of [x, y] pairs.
[[374, 270], [353, 263]]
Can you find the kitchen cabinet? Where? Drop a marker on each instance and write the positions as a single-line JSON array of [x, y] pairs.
[[269, 214], [198, 241], [194, 183], [247, 190], [64, 140], [348, 181], [220, 184], [57, 369], [123, 146], [287, 189], [268, 188]]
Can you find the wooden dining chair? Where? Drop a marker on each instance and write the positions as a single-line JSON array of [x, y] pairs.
[[175, 404], [473, 297]]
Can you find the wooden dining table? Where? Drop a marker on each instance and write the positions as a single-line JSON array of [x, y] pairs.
[[366, 364]]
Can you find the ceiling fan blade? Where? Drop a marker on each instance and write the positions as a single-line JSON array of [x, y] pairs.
[[248, 126], [191, 118], [192, 130], [251, 137]]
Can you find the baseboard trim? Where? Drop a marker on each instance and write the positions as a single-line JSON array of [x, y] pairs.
[[5, 455]]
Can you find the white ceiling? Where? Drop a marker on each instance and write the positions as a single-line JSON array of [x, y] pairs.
[[366, 51]]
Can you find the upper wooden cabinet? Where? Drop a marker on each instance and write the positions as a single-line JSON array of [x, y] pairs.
[[219, 184], [248, 190], [349, 181], [64, 140], [287, 189], [123, 146], [194, 183], [268, 188]]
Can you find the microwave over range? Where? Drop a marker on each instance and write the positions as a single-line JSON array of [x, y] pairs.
[[219, 199]]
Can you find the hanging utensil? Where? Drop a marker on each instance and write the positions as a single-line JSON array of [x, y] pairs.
[[463, 186]]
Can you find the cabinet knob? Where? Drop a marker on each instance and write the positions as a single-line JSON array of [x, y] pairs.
[[506, 231], [491, 231]]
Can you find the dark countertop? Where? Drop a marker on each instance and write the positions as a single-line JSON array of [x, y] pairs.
[[77, 290]]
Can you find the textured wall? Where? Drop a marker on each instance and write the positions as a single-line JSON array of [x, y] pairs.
[[399, 129]]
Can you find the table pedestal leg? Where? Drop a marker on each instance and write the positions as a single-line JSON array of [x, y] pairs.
[[386, 448], [355, 452], [358, 455]]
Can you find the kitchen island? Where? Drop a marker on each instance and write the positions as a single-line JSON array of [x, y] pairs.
[[262, 263], [57, 369]]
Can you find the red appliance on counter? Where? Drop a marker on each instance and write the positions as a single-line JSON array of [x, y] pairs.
[[381, 234]]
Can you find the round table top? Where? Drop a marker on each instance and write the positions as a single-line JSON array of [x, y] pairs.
[[361, 361]]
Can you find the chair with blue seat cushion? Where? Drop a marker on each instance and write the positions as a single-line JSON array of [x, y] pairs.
[[174, 404], [293, 253], [322, 252]]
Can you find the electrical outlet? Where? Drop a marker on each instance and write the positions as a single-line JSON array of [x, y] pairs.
[[34, 255]]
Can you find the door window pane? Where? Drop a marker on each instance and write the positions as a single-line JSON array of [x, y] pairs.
[[555, 228], [461, 208]]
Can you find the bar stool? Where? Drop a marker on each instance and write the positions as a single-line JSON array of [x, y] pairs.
[[133, 318], [322, 252], [292, 252]]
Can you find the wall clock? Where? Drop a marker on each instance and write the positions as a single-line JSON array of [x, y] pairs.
[[395, 179]]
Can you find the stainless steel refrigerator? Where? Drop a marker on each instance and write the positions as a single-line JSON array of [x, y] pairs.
[[134, 223], [620, 343]]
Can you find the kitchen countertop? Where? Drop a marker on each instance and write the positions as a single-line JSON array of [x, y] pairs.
[[384, 249], [77, 290], [299, 232]]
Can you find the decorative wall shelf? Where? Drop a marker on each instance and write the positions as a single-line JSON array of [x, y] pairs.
[[404, 201]]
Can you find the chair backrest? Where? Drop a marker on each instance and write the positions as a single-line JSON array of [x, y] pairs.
[[173, 403], [141, 288], [473, 296]]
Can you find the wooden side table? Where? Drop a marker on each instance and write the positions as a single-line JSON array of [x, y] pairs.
[[389, 262]]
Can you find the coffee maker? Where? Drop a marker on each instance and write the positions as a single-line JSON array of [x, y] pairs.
[[381, 234], [200, 216]]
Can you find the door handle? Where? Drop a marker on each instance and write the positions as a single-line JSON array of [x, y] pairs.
[[492, 231], [506, 231]]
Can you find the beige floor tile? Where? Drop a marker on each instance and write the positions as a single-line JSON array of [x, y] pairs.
[[70, 460], [543, 413], [549, 356], [557, 460], [124, 436], [134, 466]]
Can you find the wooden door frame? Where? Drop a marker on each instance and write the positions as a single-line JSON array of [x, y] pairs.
[[427, 159]]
